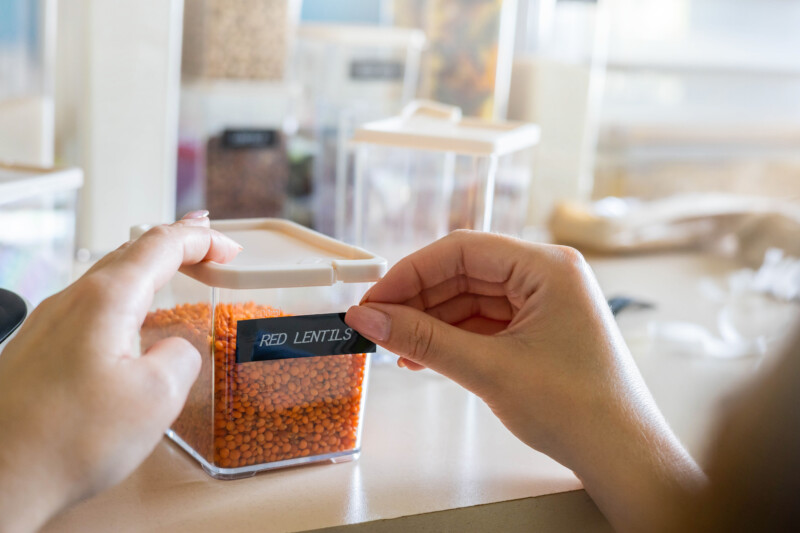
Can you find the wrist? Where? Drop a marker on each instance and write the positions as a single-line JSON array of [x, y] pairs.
[[638, 472]]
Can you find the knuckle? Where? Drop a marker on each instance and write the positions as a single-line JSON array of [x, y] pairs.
[[160, 231], [420, 347], [461, 234], [570, 257], [94, 289], [161, 383]]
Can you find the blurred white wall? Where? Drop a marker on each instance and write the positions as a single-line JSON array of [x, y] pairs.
[[695, 95], [117, 89], [701, 95]]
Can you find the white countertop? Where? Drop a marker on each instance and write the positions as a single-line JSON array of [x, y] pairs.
[[431, 447]]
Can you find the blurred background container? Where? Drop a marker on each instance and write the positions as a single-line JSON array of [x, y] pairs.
[[413, 178], [232, 146], [349, 75], [37, 229], [468, 60], [238, 39]]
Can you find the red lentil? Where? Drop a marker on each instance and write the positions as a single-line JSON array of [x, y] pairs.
[[259, 412]]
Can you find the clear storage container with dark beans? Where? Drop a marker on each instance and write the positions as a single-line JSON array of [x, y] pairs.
[[247, 173]]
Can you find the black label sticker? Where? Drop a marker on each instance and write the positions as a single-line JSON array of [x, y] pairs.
[[287, 337], [376, 70], [249, 138]]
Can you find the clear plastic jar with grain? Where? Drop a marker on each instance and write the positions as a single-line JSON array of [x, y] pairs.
[[247, 413]]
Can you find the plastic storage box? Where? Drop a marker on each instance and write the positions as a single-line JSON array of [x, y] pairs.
[[232, 152], [349, 75], [37, 229], [27, 64], [412, 179], [471, 45], [238, 39], [269, 394]]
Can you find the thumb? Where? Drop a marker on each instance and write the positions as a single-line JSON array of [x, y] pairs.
[[170, 367], [423, 339]]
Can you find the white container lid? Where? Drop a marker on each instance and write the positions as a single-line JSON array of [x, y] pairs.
[[425, 125], [18, 182], [362, 35], [281, 254]]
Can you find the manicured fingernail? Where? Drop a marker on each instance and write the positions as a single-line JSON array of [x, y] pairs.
[[200, 213], [370, 322], [401, 362]]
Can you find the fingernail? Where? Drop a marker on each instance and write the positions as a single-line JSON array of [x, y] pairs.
[[370, 322], [200, 213], [401, 362]]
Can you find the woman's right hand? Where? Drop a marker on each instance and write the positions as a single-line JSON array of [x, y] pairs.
[[525, 327]]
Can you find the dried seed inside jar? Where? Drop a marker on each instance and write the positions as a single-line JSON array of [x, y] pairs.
[[246, 181]]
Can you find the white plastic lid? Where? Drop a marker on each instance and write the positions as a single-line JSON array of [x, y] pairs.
[[281, 254], [365, 36], [19, 182], [426, 125]]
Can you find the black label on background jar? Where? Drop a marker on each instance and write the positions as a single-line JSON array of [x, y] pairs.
[[376, 70], [249, 138], [288, 337]]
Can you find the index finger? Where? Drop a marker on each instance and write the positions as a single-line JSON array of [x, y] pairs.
[[150, 261], [486, 257]]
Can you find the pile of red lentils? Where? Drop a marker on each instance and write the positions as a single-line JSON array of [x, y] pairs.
[[263, 411]]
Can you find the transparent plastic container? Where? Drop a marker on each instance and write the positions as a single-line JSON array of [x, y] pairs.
[[412, 179], [27, 52], [232, 148], [238, 39], [37, 229], [471, 46], [349, 75], [245, 414]]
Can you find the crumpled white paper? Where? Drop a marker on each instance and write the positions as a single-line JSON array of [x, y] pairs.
[[757, 311]]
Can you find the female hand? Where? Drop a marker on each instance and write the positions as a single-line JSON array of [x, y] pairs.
[[526, 328], [79, 411]]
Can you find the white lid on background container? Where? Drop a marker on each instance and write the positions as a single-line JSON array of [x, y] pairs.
[[18, 182], [362, 35], [281, 254], [426, 125]]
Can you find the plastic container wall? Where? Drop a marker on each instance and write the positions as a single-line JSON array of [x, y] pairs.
[[411, 179], [403, 199], [338, 66], [238, 39], [183, 308], [260, 406], [37, 230], [241, 418], [232, 151], [512, 192], [349, 75]]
